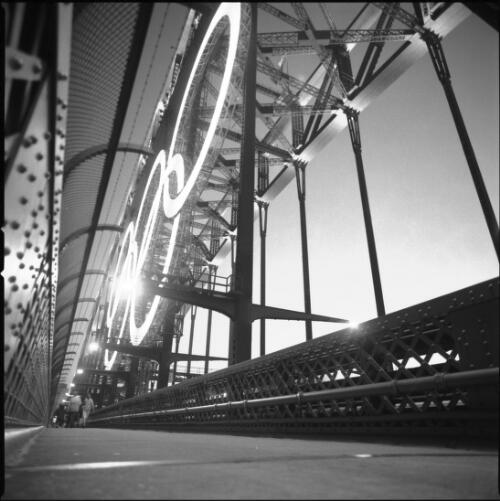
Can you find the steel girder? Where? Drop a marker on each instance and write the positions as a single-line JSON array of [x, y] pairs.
[[283, 177]]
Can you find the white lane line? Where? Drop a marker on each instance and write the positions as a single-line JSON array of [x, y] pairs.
[[363, 456], [100, 465], [10, 434]]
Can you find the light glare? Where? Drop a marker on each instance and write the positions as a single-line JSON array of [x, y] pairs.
[[93, 347]]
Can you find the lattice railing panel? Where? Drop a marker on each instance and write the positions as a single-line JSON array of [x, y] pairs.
[[434, 364]]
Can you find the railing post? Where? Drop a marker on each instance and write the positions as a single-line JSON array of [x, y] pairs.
[[439, 61], [353, 123]]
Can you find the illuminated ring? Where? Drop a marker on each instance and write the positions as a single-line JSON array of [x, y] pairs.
[[172, 206], [108, 364], [137, 333], [120, 273], [129, 263]]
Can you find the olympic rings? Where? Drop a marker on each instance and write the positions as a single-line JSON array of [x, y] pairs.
[[128, 268]]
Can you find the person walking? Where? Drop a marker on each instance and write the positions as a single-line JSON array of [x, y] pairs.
[[60, 416], [88, 408], [74, 410]]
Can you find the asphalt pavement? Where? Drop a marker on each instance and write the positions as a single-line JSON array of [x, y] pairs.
[[92, 463]]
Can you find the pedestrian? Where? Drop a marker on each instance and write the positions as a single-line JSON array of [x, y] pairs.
[[60, 416], [74, 410], [88, 408]]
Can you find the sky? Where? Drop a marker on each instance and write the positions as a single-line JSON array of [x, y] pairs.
[[430, 233]]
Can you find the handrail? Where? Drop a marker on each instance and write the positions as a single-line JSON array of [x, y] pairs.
[[438, 381]]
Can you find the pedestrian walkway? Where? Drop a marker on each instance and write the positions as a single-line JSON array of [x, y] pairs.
[[92, 463]]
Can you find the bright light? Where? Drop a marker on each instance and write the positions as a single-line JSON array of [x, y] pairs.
[[79, 371], [93, 347], [353, 324], [72, 384]]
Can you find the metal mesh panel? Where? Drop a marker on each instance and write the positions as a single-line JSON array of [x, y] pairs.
[[101, 44]]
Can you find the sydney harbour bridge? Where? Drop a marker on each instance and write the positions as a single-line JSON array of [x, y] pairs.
[[146, 145]]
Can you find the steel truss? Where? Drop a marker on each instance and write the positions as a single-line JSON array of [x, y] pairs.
[[294, 119], [326, 101]]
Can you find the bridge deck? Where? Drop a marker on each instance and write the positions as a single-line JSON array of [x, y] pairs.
[[60, 463]]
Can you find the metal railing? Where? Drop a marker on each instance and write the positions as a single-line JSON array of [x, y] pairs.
[[430, 368]]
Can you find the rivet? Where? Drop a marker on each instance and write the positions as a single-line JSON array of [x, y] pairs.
[[27, 233], [35, 225], [41, 207], [47, 135], [6, 251], [39, 156], [23, 200], [40, 193], [29, 245], [47, 175], [34, 213], [20, 255], [25, 286], [8, 311], [31, 178], [12, 279], [21, 265], [37, 249], [15, 287], [6, 347], [21, 168], [14, 225]]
